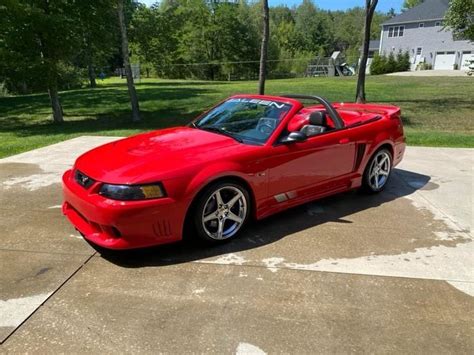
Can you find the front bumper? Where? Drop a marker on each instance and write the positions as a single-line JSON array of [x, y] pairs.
[[121, 224]]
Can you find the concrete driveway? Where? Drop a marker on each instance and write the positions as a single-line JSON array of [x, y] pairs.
[[350, 273]]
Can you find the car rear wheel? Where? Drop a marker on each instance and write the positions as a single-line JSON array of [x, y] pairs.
[[377, 172], [221, 212]]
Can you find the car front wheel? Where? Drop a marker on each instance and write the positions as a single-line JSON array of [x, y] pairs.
[[221, 212]]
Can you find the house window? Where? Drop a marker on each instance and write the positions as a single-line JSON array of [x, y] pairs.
[[396, 31], [418, 51], [438, 23], [421, 25]]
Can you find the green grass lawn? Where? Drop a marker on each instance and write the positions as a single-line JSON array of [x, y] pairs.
[[437, 111]]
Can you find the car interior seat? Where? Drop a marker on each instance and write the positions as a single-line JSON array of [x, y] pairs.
[[317, 124]]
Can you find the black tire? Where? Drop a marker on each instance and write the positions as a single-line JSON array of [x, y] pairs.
[[375, 183], [204, 207]]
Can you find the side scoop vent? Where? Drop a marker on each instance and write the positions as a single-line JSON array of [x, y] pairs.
[[360, 151]]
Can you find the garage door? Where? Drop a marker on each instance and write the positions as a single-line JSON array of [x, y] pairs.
[[444, 60], [466, 56]]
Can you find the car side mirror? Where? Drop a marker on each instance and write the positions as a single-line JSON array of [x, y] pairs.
[[294, 137]]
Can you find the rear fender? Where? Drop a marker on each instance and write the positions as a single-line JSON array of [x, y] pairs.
[[382, 139]]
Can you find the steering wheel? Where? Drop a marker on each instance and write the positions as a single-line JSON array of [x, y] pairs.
[[266, 125]]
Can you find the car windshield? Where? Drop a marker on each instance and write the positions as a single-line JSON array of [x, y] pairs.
[[244, 119]]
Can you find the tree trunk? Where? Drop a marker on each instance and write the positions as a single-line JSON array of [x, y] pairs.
[[55, 103], [264, 48], [51, 75], [91, 73], [369, 14], [126, 63], [90, 61]]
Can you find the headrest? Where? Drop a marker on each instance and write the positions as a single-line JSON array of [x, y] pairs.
[[317, 118], [297, 122]]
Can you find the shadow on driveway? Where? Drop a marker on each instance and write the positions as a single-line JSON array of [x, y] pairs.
[[270, 230]]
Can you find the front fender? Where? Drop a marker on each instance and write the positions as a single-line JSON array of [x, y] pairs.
[[214, 172]]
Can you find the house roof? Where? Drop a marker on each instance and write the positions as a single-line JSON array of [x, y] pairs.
[[427, 10], [374, 45]]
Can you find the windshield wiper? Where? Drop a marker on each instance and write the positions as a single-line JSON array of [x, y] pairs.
[[221, 131]]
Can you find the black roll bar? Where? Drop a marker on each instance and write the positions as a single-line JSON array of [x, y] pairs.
[[338, 122]]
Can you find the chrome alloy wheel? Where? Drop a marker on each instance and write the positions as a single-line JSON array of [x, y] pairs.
[[224, 213], [379, 170]]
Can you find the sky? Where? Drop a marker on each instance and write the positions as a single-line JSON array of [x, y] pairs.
[[383, 5]]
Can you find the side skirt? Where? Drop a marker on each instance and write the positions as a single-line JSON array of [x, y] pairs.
[[303, 198]]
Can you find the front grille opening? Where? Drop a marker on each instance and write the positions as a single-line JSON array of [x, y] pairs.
[[83, 180]]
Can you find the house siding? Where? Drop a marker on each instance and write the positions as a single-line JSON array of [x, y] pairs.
[[430, 38]]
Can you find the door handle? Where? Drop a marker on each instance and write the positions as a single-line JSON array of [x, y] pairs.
[[344, 141]]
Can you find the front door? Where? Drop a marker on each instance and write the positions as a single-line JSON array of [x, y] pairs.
[[307, 168], [418, 56]]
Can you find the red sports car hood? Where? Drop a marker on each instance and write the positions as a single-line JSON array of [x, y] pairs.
[[155, 155]]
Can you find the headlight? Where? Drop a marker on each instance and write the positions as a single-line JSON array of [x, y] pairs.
[[132, 192]]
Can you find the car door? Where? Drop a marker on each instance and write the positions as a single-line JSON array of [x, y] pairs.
[[306, 168]]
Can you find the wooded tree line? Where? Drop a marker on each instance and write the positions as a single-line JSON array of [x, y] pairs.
[[195, 38], [56, 42], [51, 45], [67, 43]]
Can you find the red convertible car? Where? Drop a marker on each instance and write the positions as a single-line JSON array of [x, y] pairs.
[[248, 157]]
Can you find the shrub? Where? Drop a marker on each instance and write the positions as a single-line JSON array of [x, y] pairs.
[[378, 65], [391, 63], [22, 81], [382, 64], [70, 77], [424, 66], [403, 61], [300, 62]]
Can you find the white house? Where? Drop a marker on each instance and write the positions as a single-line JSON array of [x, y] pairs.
[[420, 31]]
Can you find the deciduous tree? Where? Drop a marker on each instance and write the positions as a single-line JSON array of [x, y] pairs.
[[460, 18], [264, 48], [37, 39], [408, 4], [97, 30], [126, 63], [370, 6], [312, 29]]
